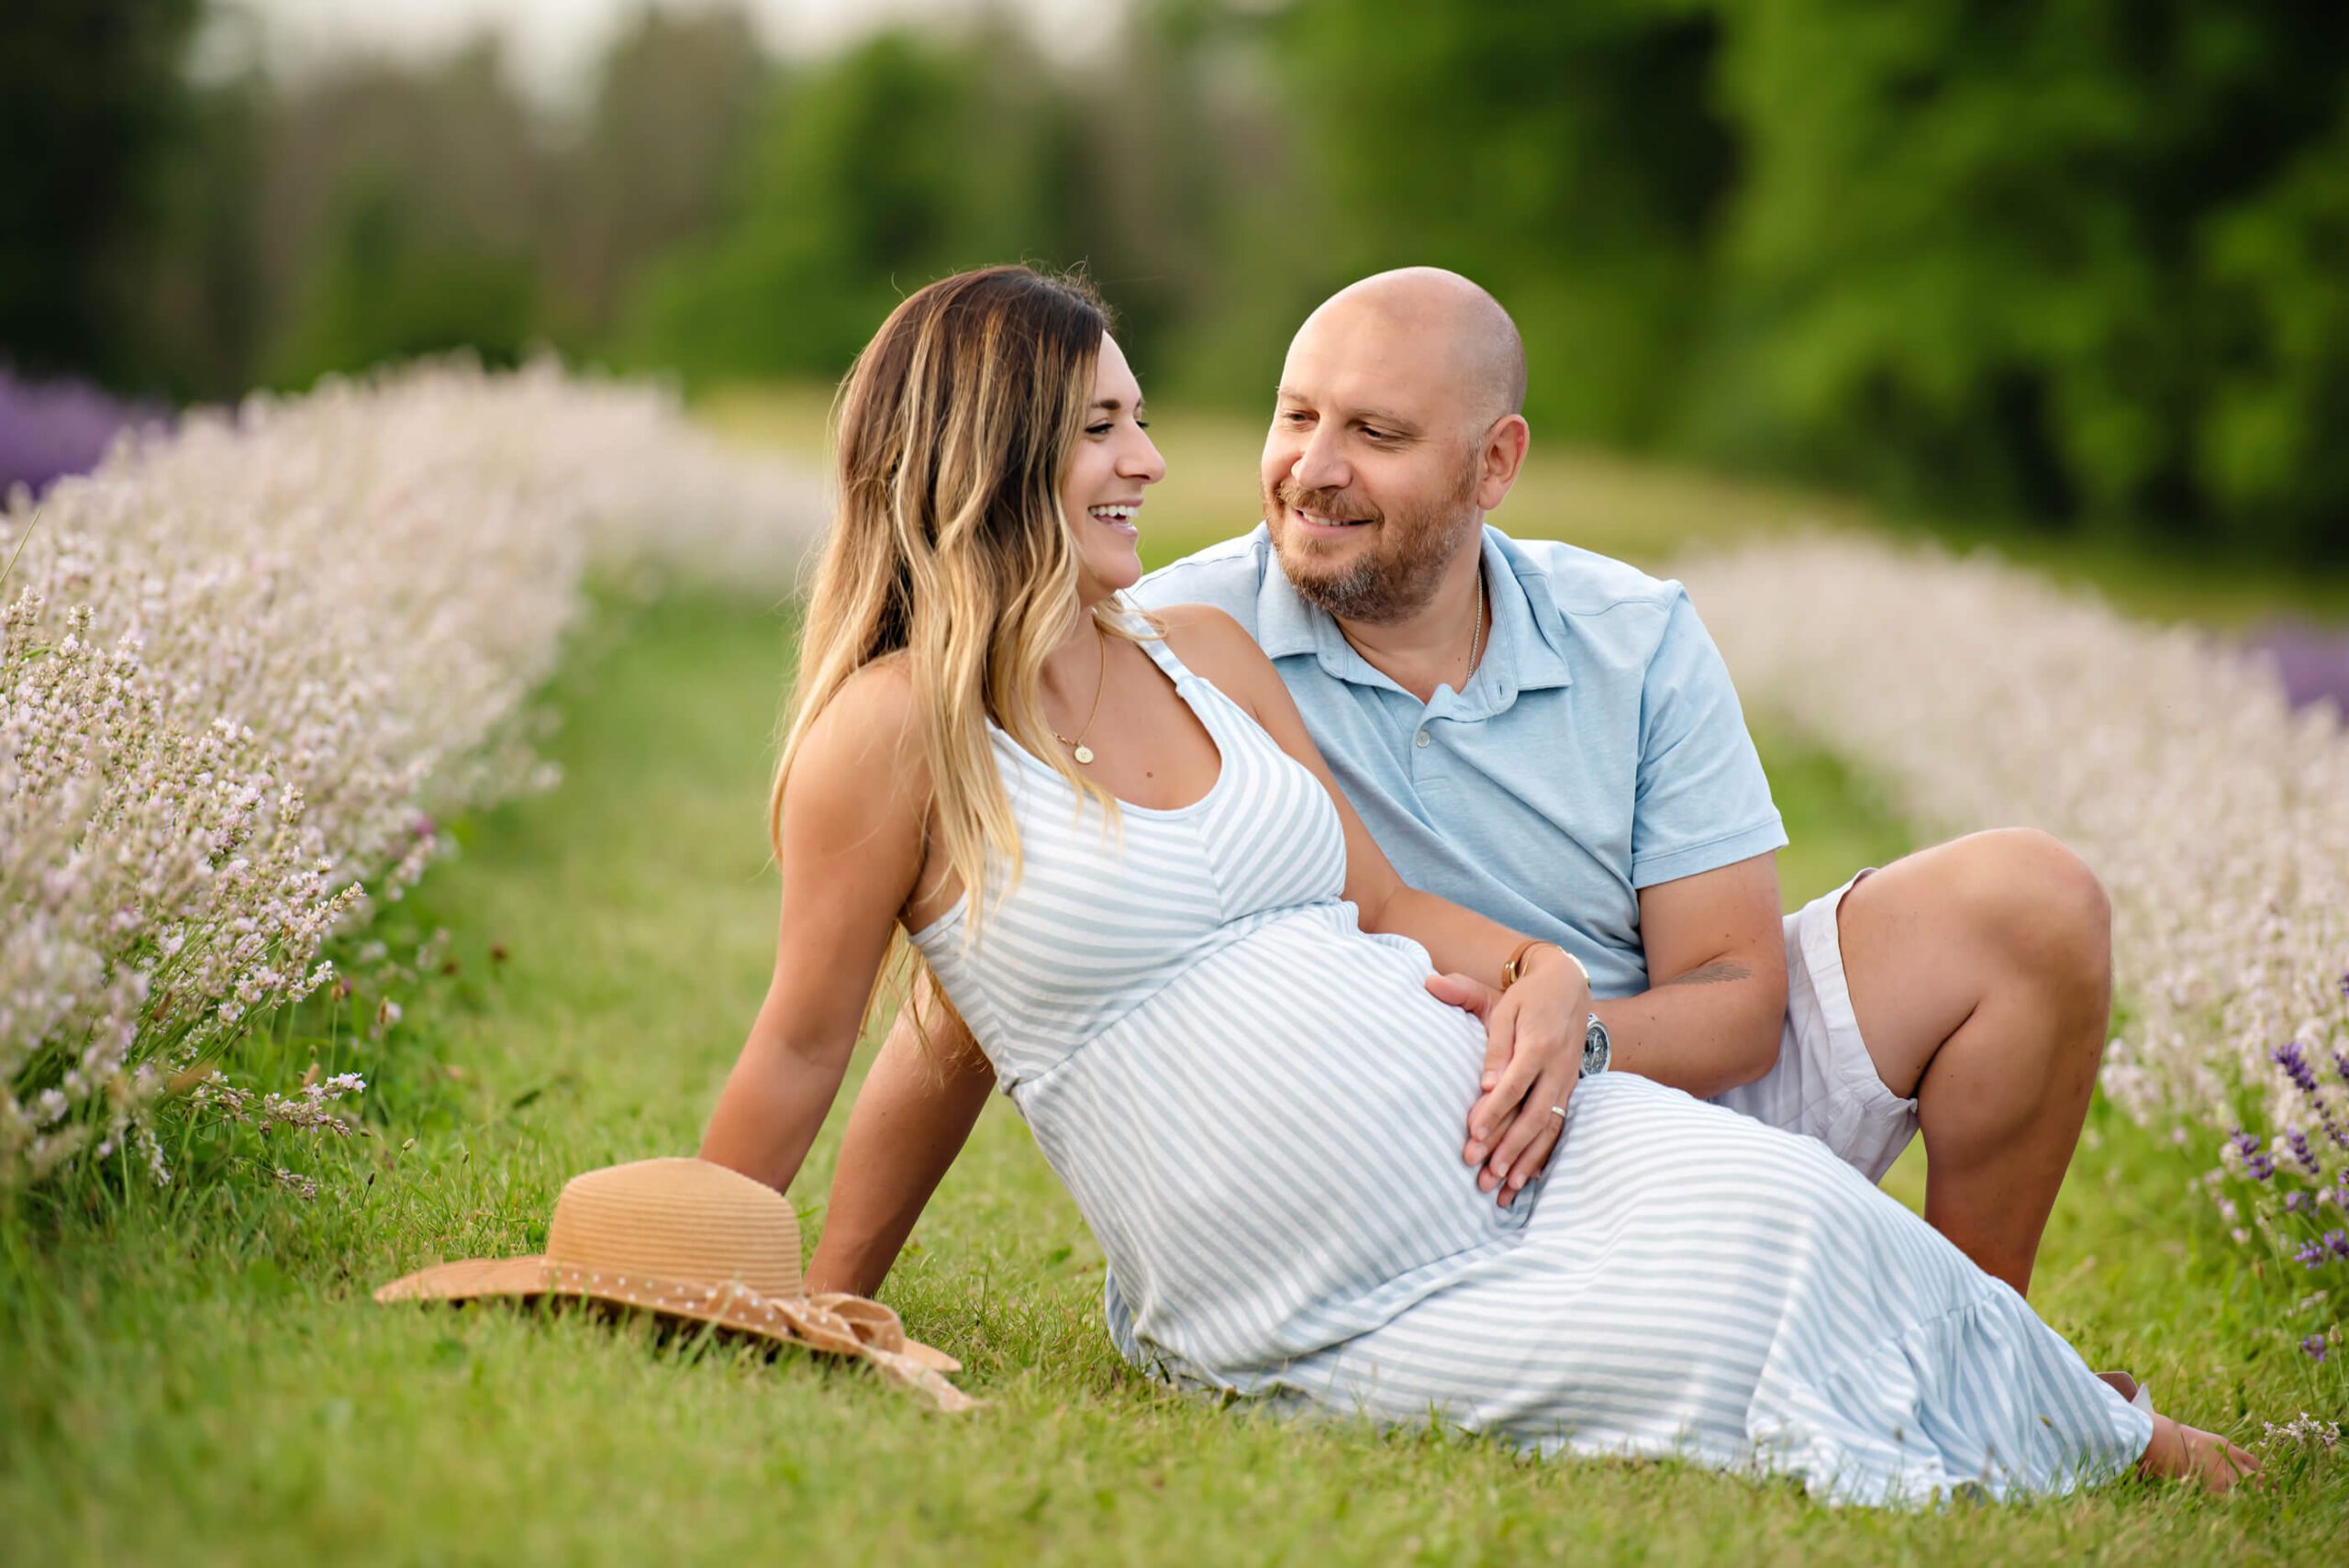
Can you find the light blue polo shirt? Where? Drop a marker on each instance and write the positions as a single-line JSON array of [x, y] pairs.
[[1598, 749]]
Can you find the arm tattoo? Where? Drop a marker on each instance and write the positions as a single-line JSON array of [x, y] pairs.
[[1711, 974]]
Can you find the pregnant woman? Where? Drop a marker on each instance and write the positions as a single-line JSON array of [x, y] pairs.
[[1115, 848]]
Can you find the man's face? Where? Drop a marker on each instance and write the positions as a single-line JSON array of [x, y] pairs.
[[1370, 474]]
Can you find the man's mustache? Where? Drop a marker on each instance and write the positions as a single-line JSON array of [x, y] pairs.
[[1323, 503]]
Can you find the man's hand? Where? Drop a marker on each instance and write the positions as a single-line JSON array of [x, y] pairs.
[[1533, 1038]]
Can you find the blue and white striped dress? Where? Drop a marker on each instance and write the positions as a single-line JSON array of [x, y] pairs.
[[1259, 1110]]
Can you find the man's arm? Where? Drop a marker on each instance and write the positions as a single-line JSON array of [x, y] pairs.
[[1716, 971], [1713, 932], [912, 1116]]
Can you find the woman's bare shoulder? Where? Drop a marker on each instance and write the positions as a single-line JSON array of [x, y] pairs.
[[1198, 621], [868, 740], [1212, 643]]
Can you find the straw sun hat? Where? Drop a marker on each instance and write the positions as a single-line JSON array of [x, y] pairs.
[[684, 1239]]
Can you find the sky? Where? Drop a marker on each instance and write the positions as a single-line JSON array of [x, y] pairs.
[[552, 45]]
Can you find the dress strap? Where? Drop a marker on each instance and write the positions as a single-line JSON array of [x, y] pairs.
[[1130, 616]]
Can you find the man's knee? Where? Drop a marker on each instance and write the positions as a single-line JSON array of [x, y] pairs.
[[2039, 904]]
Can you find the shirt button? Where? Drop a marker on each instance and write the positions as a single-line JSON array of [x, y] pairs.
[[1420, 738]]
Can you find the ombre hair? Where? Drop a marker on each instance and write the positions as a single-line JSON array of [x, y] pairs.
[[952, 434]]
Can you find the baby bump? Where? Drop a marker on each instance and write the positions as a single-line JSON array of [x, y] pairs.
[[1269, 1148]]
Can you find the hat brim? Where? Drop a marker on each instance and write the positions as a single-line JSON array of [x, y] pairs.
[[726, 1305], [473, 1277]]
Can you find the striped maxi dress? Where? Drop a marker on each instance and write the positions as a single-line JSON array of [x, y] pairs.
[[1259, 1110]]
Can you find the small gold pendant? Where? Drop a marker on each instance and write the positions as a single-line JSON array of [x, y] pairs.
[[1084, 755]]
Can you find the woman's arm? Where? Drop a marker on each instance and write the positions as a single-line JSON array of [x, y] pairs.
[[852, 848], [913, 1114]]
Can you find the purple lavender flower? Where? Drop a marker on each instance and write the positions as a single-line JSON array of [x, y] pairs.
[[2339, 1241], [2314, 1346], [2294, 1061], [2254, 1158], [51, 429], [2301, 1151], [2311, 1255], [2293, 1202], [2311, 661]]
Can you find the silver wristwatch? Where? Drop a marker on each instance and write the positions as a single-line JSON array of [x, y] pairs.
[[1595, 1049]]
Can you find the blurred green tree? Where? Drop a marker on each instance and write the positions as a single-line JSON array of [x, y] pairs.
[[90, 95], [2081, 261], [1194, 211], [199, 308], [2062, 260], [403, 209], [896, 162], [1569, 157], [384, 290], [2270, 448], [676, 102]]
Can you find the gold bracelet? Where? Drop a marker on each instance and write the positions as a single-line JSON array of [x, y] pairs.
[[1514, 970]]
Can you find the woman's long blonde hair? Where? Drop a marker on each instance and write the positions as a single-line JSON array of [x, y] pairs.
[[952, 434]]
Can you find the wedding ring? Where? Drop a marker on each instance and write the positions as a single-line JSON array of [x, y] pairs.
[[1558, 1111]]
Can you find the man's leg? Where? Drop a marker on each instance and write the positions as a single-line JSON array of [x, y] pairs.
[[1981, 978]]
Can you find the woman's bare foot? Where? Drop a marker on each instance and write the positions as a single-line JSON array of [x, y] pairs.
[[2184, 1453]]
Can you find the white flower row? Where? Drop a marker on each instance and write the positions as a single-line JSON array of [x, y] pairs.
[[1982, 695], [242, 664]]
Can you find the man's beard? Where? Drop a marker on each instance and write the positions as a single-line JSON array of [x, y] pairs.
[[1384, 586]]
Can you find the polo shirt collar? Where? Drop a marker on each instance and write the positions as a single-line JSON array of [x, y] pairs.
[[1284, 620], [1528, 635]]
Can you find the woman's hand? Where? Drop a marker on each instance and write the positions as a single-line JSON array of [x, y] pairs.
[[1533, 1039]]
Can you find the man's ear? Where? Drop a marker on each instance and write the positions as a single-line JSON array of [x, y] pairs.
[[1502, 456]]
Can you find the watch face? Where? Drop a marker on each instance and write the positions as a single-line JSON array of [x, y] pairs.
[[1595, 1048]]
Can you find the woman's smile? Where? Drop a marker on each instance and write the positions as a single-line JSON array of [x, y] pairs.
[[1119, 516]]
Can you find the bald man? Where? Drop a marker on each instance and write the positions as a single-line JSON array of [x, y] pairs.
[[1549, 736]]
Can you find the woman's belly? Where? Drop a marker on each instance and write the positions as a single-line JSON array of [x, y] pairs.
[[1268, 1149]]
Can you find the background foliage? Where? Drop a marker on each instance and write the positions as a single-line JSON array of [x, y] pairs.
[[2075, 263]]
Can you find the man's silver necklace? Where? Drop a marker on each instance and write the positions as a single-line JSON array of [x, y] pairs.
[[1476, 632], [1476, 629]]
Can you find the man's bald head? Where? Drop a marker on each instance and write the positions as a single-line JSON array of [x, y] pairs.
[[1482, 353], [1396, 428]]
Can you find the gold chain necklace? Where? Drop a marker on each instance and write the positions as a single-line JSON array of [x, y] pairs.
[[1078, 746]]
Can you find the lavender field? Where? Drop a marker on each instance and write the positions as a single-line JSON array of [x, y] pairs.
[[382, 787]]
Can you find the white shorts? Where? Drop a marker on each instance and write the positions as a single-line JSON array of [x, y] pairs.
[[1825, 1085]]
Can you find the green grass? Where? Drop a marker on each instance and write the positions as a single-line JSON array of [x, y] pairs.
[[199, 1375]]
